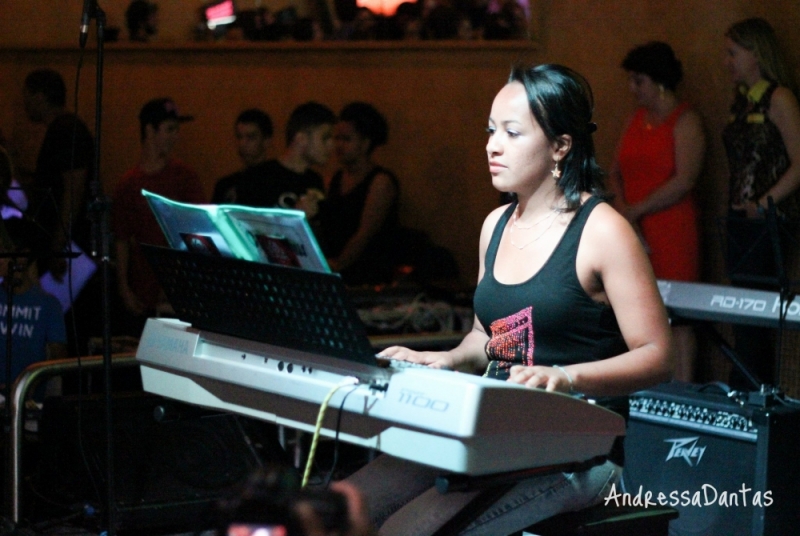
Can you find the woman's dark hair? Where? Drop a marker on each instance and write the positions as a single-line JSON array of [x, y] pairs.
[[561, 101], [657, 60], [367, 121]]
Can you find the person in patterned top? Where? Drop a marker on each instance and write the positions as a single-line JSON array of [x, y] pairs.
[[762, 142]]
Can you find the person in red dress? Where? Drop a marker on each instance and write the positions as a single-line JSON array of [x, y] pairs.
[[659, 158]]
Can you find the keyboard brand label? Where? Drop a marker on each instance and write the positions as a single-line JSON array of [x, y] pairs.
[[419, 399], [755, 305], [792, 309], [173, 345], [744, 304]]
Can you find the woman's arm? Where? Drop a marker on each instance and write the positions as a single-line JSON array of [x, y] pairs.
[[690, 147], [615, 182], [616, 188], [382, 194], [470, 354], [613, 267], [785, 113]]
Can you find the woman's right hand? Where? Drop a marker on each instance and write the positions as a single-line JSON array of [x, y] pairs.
[[432, 359], [309, 202]]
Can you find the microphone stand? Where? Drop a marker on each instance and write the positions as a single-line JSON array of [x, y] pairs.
[[784, 283], [99, 208], [8, 285]]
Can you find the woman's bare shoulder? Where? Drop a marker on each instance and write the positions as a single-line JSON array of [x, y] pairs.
[[608, 229], [489, 223]]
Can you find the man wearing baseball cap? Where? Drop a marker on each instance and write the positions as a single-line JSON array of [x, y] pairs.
[[134, 224]]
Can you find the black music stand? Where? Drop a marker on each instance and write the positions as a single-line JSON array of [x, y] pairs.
[[754, 257], [283, 306]]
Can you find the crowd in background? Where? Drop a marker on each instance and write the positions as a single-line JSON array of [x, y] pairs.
[[446, 19], [346, 20], [659, 203], [354, 216], [657, 165]]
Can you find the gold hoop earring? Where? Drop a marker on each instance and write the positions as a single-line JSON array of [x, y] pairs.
[[661, 91]]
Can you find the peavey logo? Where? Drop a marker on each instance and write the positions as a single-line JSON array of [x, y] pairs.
[[687, 449]]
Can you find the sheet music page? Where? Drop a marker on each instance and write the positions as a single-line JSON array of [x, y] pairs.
[[190, 227], [280, 236], [267, 235]]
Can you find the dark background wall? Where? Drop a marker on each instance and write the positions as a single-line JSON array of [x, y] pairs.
[[436, 95]]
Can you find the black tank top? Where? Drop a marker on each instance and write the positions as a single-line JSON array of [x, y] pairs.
[[340, 217], [548, 319]]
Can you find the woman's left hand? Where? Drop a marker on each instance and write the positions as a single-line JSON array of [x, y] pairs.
[[432, 359], [751, 208], [548, 378]]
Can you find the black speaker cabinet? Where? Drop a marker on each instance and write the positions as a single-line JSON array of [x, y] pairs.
[[729, 467], [167, 471]]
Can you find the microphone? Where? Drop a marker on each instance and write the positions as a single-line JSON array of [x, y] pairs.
[[87, 14]]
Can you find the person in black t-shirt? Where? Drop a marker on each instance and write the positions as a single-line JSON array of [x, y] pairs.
[[59, 195], [63, 167], [289, 181], [253, 131]]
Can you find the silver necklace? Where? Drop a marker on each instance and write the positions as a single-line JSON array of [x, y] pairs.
[[515, 220], [511, 233]]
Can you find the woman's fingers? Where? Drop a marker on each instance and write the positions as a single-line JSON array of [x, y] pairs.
[[538, 378]]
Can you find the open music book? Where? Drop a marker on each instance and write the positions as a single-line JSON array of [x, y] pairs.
[[266, 235]]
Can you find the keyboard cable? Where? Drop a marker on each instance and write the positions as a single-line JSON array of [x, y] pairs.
[[327, 481], [350, 380]]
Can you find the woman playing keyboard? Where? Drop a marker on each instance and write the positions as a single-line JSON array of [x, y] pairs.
[[566, 301]]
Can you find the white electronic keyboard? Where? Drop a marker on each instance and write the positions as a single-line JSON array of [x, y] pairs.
[[457, 422]]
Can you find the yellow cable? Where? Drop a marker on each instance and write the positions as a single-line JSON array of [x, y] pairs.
[[321, 417]]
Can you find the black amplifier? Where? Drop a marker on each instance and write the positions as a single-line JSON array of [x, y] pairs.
[[728, 465]]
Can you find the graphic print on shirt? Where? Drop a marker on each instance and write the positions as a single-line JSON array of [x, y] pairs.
[[23, 329], [511, 342]]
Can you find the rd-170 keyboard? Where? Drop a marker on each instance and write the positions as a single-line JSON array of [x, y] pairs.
[[718, 303]]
